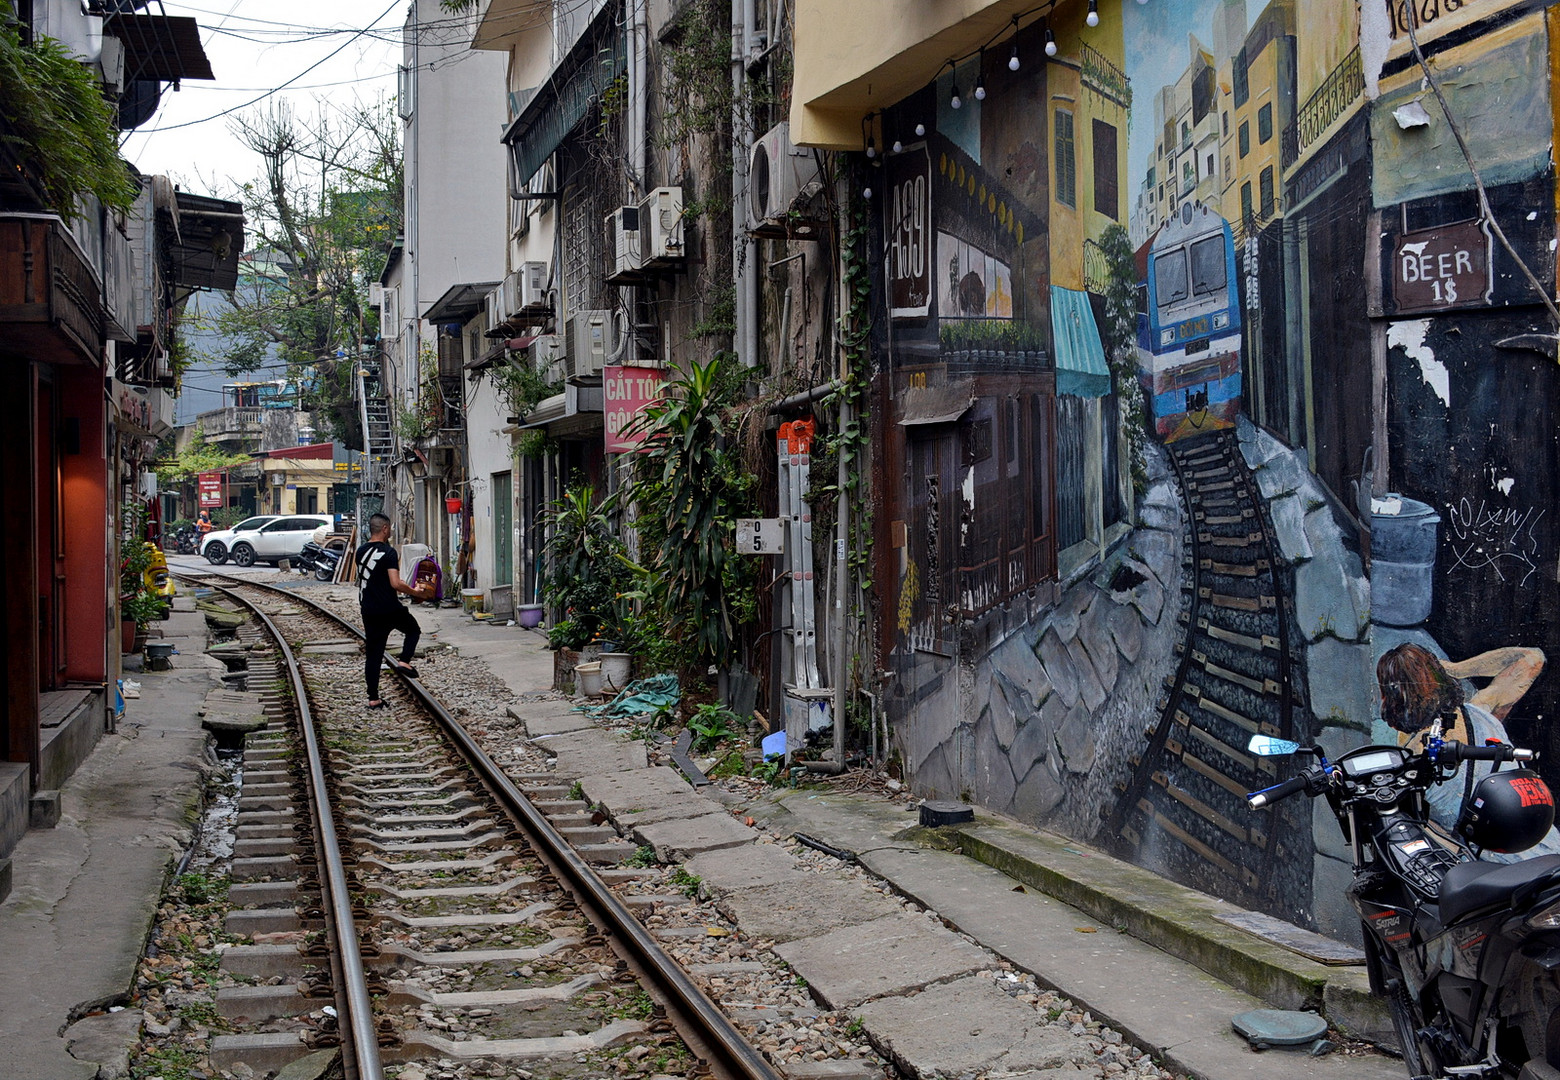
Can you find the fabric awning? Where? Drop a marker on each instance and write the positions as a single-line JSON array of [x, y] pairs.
[[935, 404], [1080, 356]]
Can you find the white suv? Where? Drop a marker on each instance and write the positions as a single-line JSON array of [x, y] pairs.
[[281, 538], [214, 545]]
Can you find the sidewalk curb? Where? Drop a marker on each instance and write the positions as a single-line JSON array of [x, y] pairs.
[[1177, 920]]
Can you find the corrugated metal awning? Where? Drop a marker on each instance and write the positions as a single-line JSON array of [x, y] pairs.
[[496, 353], [162, 47], [1081, 369], [558, 106], [935, 404]]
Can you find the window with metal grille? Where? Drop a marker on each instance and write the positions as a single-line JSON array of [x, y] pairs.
[[1066, 160], [1265, 123], [1245, 138], [1265, 180]]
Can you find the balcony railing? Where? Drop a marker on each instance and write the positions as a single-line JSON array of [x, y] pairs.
[[1342, 87], [1102, 75], [50, 296], [219, 425]]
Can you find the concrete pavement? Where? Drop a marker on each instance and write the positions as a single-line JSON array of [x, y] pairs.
[[85, 892]]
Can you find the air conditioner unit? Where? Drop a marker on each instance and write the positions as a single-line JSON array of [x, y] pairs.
[[545, 354], [588, 331], [510, 288], [778, 174], [533, 286], [661, 228], [376, 294], [623, 265], [493, 308]]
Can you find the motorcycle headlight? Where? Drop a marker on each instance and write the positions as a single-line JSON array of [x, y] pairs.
[[1547, 918]]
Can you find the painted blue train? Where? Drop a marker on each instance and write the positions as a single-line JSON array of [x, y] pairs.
[[1189, 325]]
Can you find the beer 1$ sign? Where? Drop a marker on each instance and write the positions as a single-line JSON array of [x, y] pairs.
[[1444, 267]]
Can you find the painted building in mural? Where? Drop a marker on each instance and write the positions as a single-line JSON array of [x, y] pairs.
[[1208, 370]]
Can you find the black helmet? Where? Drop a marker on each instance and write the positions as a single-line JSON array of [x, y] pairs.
[[1509, 811]]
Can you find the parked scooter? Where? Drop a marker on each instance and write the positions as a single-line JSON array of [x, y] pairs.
[[186, 540], [1464, 950], [319, 560]]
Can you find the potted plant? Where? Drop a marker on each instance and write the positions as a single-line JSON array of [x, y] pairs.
[[586, 576], [138, 604]]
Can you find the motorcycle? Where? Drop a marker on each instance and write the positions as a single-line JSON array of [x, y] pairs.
[[186, 540], [320, 560], [1465, 950]]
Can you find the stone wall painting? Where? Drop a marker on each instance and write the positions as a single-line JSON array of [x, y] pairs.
[[1101, 674]]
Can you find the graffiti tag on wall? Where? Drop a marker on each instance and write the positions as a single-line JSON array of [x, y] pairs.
[[1498, 538]]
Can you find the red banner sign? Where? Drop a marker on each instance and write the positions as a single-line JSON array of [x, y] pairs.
[[626, 391], [209, 487]]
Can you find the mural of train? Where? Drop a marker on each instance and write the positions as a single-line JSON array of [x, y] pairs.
[[1188, 331]]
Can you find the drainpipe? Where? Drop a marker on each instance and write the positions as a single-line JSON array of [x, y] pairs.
[[841, 537], [744, 250]]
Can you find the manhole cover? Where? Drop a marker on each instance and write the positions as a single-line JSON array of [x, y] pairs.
[[1279, 1027]]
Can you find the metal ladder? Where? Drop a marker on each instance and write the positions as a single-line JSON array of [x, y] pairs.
[[378, 444], [794, 448]]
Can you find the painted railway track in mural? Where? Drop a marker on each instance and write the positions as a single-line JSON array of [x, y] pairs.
[[1183, 808]]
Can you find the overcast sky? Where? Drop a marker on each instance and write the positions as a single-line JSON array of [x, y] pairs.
[[340, 51]]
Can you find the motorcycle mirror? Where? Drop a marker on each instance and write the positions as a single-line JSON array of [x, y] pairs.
[[1267, 746]]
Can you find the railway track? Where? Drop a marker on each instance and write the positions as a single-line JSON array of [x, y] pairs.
[[447, 912], [1183, 810]]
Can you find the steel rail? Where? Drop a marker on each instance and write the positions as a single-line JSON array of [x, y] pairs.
[[360, 1009], [697, 1019]]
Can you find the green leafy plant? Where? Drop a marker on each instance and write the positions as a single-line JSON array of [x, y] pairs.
[[61, 125], [690, 486], [686, 882], [711, 725], [587, 573], [522, 386], [1120, 336]]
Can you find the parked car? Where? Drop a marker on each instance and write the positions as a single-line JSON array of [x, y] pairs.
[[218, 542], [276, 540]]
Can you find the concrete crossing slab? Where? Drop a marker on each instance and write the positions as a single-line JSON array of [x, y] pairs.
[[966, 1027], [743, 867], [805, 905], [886, 956], [680, 839]]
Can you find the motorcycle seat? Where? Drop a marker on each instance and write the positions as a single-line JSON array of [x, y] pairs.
[[1470, 886]]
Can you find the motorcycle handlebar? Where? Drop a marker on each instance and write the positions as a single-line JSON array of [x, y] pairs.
[[1496, 752], [1267, 796]]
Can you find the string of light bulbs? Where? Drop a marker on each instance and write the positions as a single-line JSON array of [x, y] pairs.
[[955, 99]]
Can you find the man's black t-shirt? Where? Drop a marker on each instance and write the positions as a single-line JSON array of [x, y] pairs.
[[375, 560]]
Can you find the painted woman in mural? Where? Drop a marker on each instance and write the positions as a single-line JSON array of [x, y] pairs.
[[1417, 687]]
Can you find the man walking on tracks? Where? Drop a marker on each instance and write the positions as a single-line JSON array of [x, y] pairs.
[[379, 579]]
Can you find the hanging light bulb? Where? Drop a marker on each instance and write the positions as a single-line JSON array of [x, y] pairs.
[[899, 147], [1093, 17], [871, 147], [920, 129], [866, 193], [1013, 59], [980, 77], [1050, 40], [954, 100]]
